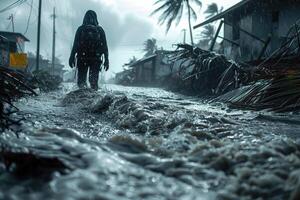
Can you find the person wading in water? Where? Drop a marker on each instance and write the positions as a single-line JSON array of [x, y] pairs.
[[89, 46]]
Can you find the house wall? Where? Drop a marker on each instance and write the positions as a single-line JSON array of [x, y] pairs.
[[147, 72], [231, 51], [227, 34], [4, 57], [266, 25], [162, 68], [260, 22], [262, 28], [4, 54], [289, 15], [144, 72], [138, 71], [245, 41]]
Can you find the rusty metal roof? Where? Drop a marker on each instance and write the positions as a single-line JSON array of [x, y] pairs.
[[11, 35]]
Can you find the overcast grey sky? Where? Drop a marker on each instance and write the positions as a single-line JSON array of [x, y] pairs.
[[127, 24]]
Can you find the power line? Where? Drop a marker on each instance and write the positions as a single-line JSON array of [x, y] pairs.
[[13, 5], [34, 6], [29, 17]]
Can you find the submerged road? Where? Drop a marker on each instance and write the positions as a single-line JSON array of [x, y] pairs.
[[147, 143]]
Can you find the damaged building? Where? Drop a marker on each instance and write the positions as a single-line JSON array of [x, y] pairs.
[[147, 71], [253, 29], [46, 66], [12, 48]]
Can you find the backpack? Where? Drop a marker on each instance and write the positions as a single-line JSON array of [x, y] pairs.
[[90, 43]]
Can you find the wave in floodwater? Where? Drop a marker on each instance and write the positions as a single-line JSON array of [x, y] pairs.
[[67, 166], [148, 143]]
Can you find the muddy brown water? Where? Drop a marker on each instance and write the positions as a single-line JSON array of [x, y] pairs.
[[148, 143]]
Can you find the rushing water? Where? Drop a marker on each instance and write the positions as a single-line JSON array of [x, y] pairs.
[[147, 143]]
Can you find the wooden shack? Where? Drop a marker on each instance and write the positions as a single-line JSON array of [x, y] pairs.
[[255, 29], [12, 48]]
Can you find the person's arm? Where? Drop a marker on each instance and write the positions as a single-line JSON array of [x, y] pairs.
[[74, 48], [105, 51]]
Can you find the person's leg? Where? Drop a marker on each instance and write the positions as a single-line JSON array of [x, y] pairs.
[[94, 75], [82, 74]]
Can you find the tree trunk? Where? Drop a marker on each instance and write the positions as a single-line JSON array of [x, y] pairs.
[[190, 23]]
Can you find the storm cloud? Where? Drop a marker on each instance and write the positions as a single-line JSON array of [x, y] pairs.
[[127, 24], [121, 26]]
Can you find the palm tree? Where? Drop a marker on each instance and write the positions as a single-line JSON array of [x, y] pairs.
[[212, 10], [172, 10], [130, 62], [150, 47], [208, 32], [207, 35]]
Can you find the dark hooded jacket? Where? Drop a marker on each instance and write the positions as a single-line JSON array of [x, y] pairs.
[[90, 18]]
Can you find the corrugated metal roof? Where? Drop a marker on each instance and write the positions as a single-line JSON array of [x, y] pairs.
[[143, 60], [223, 14], [12, 34]]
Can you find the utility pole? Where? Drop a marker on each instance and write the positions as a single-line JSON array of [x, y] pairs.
[[11, 18], [53, 40], [38, 37], [184, 36]]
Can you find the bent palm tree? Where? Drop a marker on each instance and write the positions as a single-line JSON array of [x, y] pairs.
[[172, 10], [208, 32], [212, 10], [207, 35], [130, 62], [150, 47]]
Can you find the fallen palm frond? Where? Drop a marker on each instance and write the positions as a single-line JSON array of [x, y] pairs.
[[290, 48], [277, 80], [271, 84], [281, 94], [205, 72], [12, 86]]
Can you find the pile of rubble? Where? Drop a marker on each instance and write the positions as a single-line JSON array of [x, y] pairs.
[[13, 85], [204, 73], [45, 81], [271, 83]]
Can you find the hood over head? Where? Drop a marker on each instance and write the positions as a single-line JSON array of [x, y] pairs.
[[90, 18]]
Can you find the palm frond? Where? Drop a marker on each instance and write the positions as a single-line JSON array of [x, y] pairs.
[[171, 11], [212, 10], [13, 85], [197, 2], [208, 32], [193, 13]]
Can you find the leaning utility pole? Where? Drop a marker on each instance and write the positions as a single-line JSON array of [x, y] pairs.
[[12, 21], [38, 37], [54, 40]]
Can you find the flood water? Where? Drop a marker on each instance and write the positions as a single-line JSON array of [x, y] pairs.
[[148, 143]]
